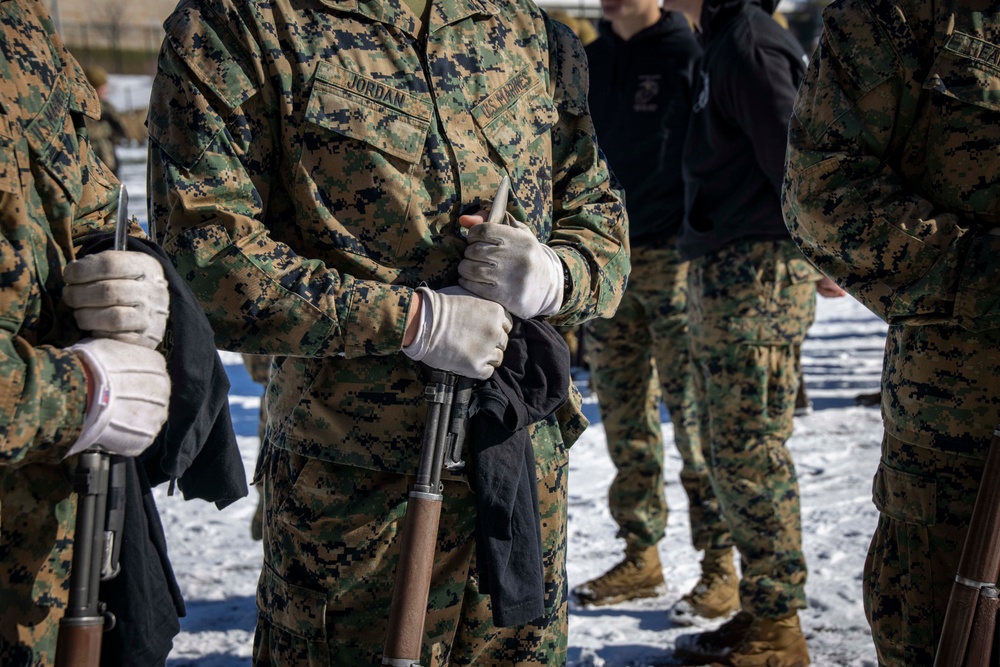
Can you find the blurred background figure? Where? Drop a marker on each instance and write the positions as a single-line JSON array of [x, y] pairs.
[[108, 131], [581, 27], [752, 297]]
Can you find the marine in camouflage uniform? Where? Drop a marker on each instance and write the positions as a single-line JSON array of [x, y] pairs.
[[893, 189], [309, 169], [108, 130], [53, 191], [751, 300]]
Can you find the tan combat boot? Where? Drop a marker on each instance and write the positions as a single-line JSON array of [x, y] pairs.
[[640, 575], [771, 642], [716, 594], [715, 644]]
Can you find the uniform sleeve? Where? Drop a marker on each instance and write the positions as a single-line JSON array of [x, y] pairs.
[[213, 157], [43, 389], [759, 95], [845, 206], [590, 228]]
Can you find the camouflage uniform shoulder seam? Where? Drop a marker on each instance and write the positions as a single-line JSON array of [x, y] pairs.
[[568, 68]]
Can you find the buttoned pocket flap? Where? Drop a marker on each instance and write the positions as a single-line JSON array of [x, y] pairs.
[[301, 611], [905, 496], [968, 70], [371, 111], [514, 115]]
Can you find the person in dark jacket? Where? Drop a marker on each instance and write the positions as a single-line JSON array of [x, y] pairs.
[[752, 298], [641, 75]]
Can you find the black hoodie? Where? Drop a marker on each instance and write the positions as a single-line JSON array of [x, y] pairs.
[[734, 153], [640, 98]]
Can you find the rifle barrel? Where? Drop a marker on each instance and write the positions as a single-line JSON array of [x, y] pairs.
[[80, 629], [418, 535]]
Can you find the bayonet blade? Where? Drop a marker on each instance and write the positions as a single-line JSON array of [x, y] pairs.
[[499, 207], [121, 222]]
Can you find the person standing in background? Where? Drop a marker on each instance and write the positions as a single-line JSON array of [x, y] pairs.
[[752, 299], [641, 81], [107, 131]]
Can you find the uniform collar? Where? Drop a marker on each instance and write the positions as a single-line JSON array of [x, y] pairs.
[[394, 12]]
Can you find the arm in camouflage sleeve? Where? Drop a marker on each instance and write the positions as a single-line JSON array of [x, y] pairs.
[[210, 182], [43, 390], [846, 207], [590, 228]]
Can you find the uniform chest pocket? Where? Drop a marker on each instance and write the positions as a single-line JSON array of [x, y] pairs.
[[515, 116], [516, 120], [359, 148], [964, 126], [377, 114]]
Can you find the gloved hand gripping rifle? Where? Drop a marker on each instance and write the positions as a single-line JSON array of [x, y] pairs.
[[99, 483], [448, 396]]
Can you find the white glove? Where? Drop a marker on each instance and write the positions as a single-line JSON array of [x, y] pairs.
[[120, 295], [507, 264], [460, 333], [131, 393]]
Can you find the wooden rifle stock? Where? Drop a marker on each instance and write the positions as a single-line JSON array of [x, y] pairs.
[[967, 637], [447, 396]]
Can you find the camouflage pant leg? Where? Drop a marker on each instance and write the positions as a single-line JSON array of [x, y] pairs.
[[623, 377], [649, 332], [751, 304], [925, 499], [37, 520], [675, 371], [331, 552]]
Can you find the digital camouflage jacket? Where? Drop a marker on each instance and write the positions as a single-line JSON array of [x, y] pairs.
[[52, 192], [893, 188], [309, 163]]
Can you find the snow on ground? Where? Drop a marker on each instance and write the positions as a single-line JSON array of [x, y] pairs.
[[835, 449]]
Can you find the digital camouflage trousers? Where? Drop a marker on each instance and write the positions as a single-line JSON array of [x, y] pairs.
[[331, 548], [925, 499], [750, 305], [638, 358]]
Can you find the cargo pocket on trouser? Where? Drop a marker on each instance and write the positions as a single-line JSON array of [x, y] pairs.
[[901, 577], [291, 624]]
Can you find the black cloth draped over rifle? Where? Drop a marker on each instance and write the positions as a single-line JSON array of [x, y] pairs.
[[530, 385], [196, 448]]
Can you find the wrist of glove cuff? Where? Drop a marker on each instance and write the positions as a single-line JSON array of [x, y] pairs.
[[98, 412], [130, 398], [418, 347], [552, 300]]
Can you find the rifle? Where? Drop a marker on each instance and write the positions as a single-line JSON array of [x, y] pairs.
[[967, 637], [99, 484], [448, 397], [444, 434]]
